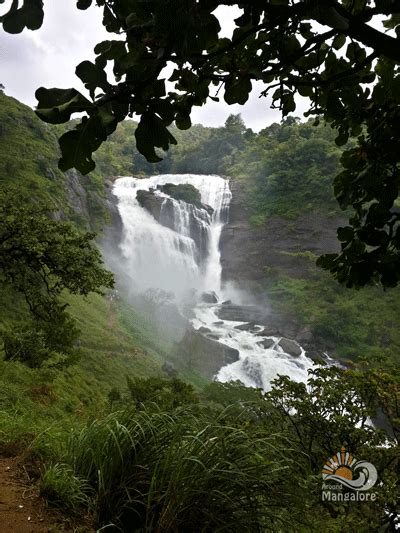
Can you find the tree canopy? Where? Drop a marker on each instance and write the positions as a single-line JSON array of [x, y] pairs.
[[40, 258], [330, 51]]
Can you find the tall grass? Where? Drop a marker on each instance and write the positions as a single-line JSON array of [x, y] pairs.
[[61, 487], [158, 472]]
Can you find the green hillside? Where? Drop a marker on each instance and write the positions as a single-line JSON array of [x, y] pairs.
[[132, 444], [37, 402]]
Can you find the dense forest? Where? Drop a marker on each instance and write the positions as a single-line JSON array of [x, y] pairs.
[[122, 439]]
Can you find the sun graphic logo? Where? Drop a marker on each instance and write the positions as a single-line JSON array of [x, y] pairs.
[[345, 469]]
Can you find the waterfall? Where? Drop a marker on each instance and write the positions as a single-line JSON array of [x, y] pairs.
[[174, 246], [163, 254]]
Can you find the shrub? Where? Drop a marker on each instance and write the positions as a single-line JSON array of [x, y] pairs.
[[164, 472]]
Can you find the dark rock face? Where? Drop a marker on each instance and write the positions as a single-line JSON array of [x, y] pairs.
[[76, 193], [209, 297], [151, 202], [112, 233], [205, 355], [269, 246], [272, 248]]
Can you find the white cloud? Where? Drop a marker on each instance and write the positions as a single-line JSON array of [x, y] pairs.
[[48, 57]]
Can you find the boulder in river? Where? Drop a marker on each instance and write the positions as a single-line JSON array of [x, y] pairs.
[[290, 347], [243, 313], [268, 332], [209, 297], [266, 343], [248, 326], [204, 355]]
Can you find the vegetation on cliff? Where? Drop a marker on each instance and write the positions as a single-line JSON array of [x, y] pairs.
[[184, 191]]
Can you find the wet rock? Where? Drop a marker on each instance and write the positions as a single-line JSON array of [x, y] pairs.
[[218, 323], [209, 297], [213, 336], [290, 347], [227, 302], [266, 343], [304, 335], [243, 313], [204, 355], [204, 330], [268, 332], [151, 202], [249, 326]]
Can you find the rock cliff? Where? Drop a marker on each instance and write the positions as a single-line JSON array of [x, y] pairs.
[[251, 254], [279, 244]]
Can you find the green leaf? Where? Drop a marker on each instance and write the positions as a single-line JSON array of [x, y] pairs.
[[305, 90], [182, 121], [164, 109], [33, 11], [339, 41], [92, 76], [342, 138], [102, 47], [150, 133], [83, 4], [289, 47], [30, 15], [71, 144], [237, 92], [355, 52], [110, 22], [327, 261], [345, 234], [77, 146], [57, 105], [14, 22]]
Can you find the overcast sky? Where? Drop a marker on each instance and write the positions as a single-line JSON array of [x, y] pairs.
[[48, 57]]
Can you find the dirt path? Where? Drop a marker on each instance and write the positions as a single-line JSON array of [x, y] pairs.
[[21, 508]]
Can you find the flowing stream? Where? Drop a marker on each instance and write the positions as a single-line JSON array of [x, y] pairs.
[[176, 249]]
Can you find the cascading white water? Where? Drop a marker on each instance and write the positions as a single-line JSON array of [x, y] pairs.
[[160, 257], [163, 254]]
